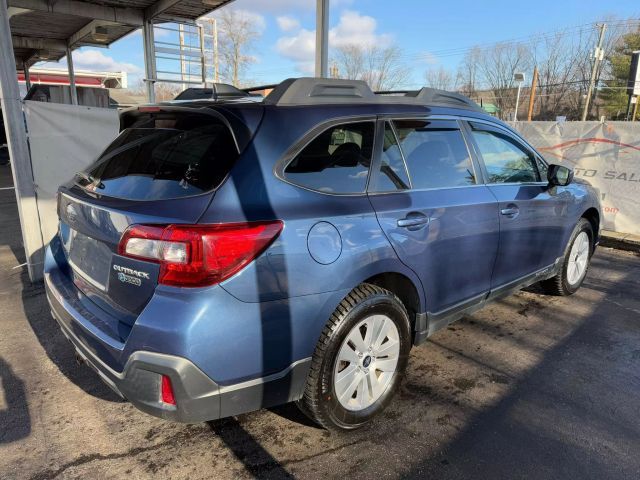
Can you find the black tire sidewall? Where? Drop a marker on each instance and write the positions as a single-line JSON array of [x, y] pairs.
[[582, 226], [385, 304]]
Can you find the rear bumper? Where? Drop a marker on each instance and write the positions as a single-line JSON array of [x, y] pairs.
[[198, 397]]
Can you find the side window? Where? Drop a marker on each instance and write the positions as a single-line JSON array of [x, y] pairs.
[[336, 161], [435, 152], [506, 160], [543, 168], [393, 173]]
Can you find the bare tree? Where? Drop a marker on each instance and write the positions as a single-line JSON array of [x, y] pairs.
[[555, 58], [496, 67], [380, 67], [440, 78], [467, 76], [238, 33]]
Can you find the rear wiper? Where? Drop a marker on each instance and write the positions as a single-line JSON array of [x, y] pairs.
[[90, 179]]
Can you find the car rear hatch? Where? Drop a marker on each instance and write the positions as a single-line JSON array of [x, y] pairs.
[[163, 169]]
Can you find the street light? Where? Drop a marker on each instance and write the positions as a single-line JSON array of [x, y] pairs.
[[518, 77]]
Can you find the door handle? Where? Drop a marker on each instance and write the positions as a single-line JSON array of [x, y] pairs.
[[413, 221], [511, 211]]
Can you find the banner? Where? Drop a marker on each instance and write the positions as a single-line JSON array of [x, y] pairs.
[[64, 139], [607, 155]]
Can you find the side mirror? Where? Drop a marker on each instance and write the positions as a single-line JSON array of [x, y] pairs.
[[559, 175]]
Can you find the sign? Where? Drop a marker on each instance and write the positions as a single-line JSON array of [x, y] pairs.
[[606, 155]]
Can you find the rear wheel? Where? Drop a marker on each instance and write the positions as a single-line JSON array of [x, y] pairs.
[[575, 263], [359, 360]]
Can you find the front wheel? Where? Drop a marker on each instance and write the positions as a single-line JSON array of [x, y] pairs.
[[359, 360], [575, 263]]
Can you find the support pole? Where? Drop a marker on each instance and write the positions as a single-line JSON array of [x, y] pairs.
[[19, 152], [532, 95], [72, 78], [322, 38], [27, 77], [149, 60], [216, 58], [515, 113], [599, 55]]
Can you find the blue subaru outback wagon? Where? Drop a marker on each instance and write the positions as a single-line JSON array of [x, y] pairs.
[[226, 255]]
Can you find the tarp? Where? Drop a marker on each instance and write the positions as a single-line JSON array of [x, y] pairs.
[[64, 139], [607, 155]]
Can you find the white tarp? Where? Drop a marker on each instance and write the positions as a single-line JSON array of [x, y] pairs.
[[605, 154], [64, 139]]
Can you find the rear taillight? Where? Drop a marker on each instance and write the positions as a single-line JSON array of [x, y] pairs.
[[198, 255]]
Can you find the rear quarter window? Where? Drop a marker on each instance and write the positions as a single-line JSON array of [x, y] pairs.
[[336, 161]]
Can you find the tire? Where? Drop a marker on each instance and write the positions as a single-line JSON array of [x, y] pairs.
[[326, 399], [568, 280]]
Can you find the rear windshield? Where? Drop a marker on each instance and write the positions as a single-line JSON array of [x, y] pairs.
[[161, 157]]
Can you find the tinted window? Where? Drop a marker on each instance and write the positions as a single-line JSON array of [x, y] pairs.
[[505, 159], [435, 152], [336, 161], [393, 173], [188, 158]]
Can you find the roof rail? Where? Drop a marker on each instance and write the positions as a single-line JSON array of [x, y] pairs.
[[435, 96], [313, 91], [319, 91]]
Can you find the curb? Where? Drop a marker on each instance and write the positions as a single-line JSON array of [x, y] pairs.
[[621, 241]]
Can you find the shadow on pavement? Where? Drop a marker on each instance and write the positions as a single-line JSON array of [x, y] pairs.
[[255, 458], [59, 350], [15, 421], [573, 416]]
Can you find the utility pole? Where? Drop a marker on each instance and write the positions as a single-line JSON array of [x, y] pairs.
[[532, 95], [597, 58]]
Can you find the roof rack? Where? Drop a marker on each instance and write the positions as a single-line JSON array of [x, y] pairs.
[[313, 91], [433, 95], [325, 91]]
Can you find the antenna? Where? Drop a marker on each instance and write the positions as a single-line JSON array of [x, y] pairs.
[[214, 92]]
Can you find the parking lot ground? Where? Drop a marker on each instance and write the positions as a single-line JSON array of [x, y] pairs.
[[530, 387]]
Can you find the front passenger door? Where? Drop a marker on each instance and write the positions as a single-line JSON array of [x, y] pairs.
[[531, 214]]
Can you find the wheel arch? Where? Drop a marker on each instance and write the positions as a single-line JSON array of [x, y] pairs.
[[593, 216], [404, 288]]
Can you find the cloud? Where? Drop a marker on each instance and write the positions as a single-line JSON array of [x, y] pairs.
[[288, 23], [252, 17], [86, 59], [352, 28]]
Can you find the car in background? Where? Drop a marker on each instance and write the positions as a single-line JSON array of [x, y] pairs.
[[227, 255]]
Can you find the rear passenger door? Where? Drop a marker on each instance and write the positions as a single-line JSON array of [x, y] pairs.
[[440, 219], [531, 214]]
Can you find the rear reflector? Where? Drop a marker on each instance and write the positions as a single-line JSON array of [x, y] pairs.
[[198, 255], [166, 391]]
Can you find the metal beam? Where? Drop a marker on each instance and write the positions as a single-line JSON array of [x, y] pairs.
[[149, 60], [158, 8], [322, 38], [85, 31], [72, 77], [27, 77], [36, 43], [16, 131], [127, 16]]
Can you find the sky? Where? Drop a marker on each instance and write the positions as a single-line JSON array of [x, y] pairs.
[[429, 33]]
